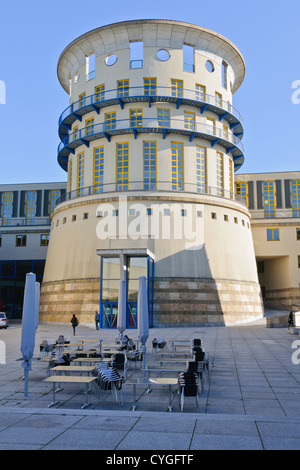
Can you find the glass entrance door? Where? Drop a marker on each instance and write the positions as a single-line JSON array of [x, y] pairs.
[[109, 315]]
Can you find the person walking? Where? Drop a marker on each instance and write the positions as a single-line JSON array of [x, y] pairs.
[[75, 323], [291, 320], [97, 319]]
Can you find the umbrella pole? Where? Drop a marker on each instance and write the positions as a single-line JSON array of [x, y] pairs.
[[26, 382]]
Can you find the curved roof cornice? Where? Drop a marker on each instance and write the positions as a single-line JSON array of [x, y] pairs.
[[161, 33]]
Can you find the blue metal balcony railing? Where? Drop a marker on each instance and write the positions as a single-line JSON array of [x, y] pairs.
[[84, 136], [157, 186], [106, 98]]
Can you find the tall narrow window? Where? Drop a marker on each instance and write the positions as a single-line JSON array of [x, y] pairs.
[[218, 99], [177, 169], [295, 197], [163, 117], [241, 189], [136, 55], [110, 121], [98, 169], [224, 74], [82, 100], [70, 175], [100, 93], [220, 173], [225, 132], [176, 88], [188, 58], [136, 117], [122, 166], [89, 126], [90, 67], [273, 234], [230, 176], [7, 207], [80, 174], [189, 120], [30, 208], [200, 92], [211, 126], [53, 196], [201, 169], [123, 88], [149, 86], [75, 133], [149, 166], [268, 188]]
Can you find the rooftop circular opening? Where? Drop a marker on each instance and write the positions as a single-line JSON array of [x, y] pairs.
[[111, 59], [210, 66], [163, 55]]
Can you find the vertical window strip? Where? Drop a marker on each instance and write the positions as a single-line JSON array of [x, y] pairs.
[[230, 177], [98, 169], [149, 164], [122, 166], [53, 196], [149, 86], [30, 208], [177, 168], [269, 199], [80, 174], [241, 189], [201, 169], [7, 207], [70, 174], [163, 118], [176, 88], [295, 197], [220, 174]]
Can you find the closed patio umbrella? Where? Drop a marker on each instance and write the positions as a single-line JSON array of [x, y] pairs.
[[28, 325], [37, 303], [121, 320], [143, 317]]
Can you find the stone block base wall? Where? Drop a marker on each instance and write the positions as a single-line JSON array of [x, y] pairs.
[[284, 298], [177, 302], [206, 302]]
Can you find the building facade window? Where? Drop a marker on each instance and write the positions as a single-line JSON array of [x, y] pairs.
[[30, 208], [211, 126], [224, 74], [89, 126], [110, 121], [75, 133], [295, 197], [44, 240], [200, 92], [230, 176], [163, 117], [149, 164], [298, 233], [98, 169], [176, 88], [123, 88], [70, 175], [122, 176], [268, 188], [80, 174], [201, 169], [82, 100], [7, 207], [241, 189], [136, 117], [218, 99], [21, 240], [272, 234], [53, 196], [219, 173], [177, 166], [100, 93], [149, 86], [189, 120]]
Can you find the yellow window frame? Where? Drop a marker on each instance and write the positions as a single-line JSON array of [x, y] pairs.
[[176, 87], [149, 164], [177, 166], [200, 92], [136, 117], [189, 120], [122, 166], [150, 86], [89, 126], [99, 93], [98, 169], [201, 169], [80, 173], [82, 99], [123, 88]]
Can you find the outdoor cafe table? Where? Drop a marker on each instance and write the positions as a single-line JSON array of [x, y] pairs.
[[149, 382], [90, 360], [58, 379], [65, 369]]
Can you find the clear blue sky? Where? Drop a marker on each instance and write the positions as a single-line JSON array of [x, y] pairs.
[[35, 32]]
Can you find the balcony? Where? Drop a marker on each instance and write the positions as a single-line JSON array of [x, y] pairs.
[[154, 94], [214, 135], [150, 187]]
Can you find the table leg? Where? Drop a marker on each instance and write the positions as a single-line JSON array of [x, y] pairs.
[[134, 398], [86, 403], [170, 399], [54, 396]]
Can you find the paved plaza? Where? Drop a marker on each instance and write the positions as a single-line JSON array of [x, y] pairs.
[[251, 399]]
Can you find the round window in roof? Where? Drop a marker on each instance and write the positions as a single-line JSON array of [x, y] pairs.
[[111, 59], [209, 66], [163, 55]]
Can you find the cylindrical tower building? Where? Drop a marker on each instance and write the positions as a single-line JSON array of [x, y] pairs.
[[150, 142]]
